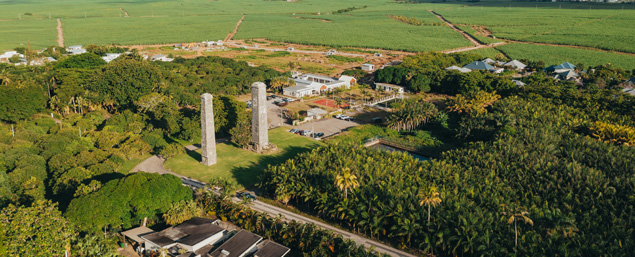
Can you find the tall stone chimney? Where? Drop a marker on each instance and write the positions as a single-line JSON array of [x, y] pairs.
[[208, 135]]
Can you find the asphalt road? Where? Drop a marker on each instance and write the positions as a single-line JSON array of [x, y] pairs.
[[287, 215]]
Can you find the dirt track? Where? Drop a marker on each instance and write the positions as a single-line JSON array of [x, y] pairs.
[[60, 33], [230, 36], [487, 33]]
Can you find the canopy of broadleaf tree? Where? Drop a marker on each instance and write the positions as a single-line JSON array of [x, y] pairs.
[[126, 201]]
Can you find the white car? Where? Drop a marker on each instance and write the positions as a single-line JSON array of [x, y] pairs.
[[338, 116], [307, 132]]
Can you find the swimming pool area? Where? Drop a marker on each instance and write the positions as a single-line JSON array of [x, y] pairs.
[[385, 147]]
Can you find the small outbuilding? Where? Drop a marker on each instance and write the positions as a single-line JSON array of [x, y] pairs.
[[389, 88], [368, 67]]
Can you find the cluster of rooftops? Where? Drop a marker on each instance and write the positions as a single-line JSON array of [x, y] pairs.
[[202, 237], [564, 71], [488, 65]]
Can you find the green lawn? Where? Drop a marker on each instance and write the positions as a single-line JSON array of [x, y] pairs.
[[240, 165]]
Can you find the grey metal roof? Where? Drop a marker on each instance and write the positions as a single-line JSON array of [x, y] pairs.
[[190, 232], [478, 65], [516, 64], [272, 249], [236, 245]]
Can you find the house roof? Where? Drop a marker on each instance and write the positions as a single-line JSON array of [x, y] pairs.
[[564, 66], [464, 70], [516, 64], [318, 76], [478, 65], [136, 232], [236, 245], [368, 64], [569, 74], [518, 82], [629, 91], [272, 249], [488, 60], [190, 232], [345, 78]]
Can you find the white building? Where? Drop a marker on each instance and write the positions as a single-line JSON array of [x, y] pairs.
[[368, 67], [110, 57], [312, 84], [4, 58], [76, 49], [160, 57], [316, 113], [389, 88]]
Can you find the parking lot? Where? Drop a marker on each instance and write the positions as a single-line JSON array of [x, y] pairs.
[[328, 126]]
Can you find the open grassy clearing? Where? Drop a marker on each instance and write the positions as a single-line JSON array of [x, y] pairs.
[[240, 165], [558, 54], [609, 29]]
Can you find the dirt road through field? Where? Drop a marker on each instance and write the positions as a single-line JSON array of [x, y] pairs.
[[60, 33], [505, 41], [230, 36]]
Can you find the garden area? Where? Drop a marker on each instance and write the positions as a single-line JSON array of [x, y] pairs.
[[240, 165]]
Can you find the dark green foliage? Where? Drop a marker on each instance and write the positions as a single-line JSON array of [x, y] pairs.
[[125, 80], [20, 102], [356, 73], [125, 202], [534, 159], [39, 230], [81, 61]]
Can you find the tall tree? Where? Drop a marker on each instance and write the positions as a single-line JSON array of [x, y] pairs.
[[429, 197], [346, 180]]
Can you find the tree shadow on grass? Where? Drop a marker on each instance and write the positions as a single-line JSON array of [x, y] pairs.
[[250, 175]]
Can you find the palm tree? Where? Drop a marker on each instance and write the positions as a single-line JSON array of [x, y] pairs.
[[430, 198], [346, 180], [514, 216]]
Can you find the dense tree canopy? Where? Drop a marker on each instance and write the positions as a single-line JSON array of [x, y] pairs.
[[127, 201]]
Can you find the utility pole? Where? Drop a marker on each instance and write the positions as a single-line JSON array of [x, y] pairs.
[[12, 130]]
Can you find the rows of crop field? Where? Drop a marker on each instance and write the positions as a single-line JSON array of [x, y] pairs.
[[363, 29], [147, 30], [486, 52], [552, 55], [39, 33], [609, 29], [143, 8]]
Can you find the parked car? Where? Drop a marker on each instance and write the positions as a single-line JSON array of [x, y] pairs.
[[247, 195], [343, 117], [269, 98], [338, 116], [307, 132], [299, 132], [294, 130], [349, 118], [274, 96], [318, 135], [281, 104], [288, 100]]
